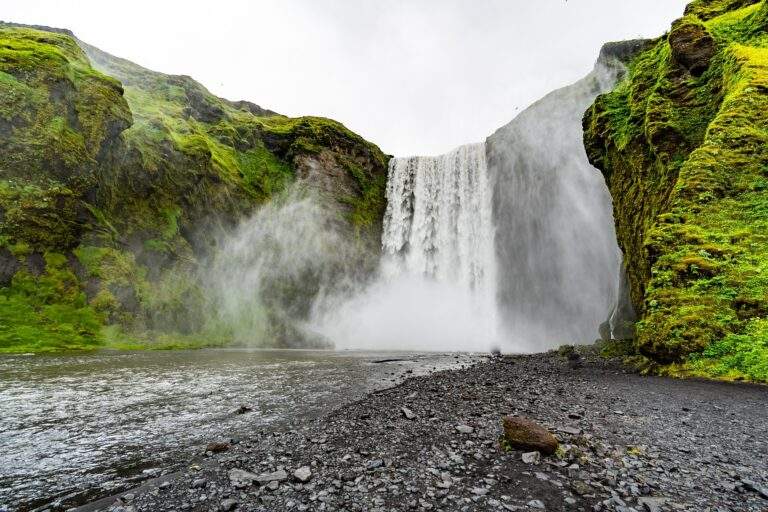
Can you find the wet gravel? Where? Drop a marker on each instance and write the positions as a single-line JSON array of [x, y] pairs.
[[627, 443]]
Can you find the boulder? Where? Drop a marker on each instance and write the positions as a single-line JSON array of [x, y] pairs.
[[532, 457], [525, 434]]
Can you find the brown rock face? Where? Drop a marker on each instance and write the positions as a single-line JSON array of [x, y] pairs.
[[692, 47], [524, 434]]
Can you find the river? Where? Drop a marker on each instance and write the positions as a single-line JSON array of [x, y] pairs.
[[80, 426]]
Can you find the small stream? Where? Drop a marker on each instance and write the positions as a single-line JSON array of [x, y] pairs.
[[80, 426]]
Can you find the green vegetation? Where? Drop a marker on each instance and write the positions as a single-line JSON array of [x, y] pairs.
[[683, 144], [115, 181], [48, 312]]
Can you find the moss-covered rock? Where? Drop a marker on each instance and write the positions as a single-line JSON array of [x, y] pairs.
[[683, 145], [131, 173]]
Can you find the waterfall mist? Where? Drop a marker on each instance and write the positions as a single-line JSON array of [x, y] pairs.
[[556, 244], [508, 243], [268, 274], [436, 288]]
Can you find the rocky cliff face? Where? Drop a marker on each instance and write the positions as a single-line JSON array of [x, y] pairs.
[[683, 144], [114, 178]]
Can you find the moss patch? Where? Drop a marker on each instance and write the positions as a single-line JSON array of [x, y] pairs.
[[686, 159]]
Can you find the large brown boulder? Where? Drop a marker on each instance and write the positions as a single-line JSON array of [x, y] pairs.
[[524, 434]]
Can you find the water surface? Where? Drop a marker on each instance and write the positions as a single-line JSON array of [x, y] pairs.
[[80, 426]]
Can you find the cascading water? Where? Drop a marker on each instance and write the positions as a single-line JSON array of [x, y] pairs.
[[439, 218], [509, 243], [559, 263], [437, 284]]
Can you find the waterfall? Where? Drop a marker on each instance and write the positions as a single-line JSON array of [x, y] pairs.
[[436, 288], [439, 218], [507, 244], [559, 262]]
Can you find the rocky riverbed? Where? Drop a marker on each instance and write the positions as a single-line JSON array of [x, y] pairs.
[[626, 443]]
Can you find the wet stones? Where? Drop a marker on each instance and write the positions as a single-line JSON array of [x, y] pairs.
[[525, 434]]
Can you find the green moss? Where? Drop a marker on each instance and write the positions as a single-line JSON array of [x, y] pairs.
[[125, 170], [685, 160], [48, 312]]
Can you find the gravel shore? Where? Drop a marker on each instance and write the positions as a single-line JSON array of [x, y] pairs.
[[627, 443]]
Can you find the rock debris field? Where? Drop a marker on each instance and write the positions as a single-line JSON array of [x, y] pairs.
[[625, 443]]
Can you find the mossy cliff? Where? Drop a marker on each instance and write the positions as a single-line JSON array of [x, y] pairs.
[[114, 178], [683, 144]]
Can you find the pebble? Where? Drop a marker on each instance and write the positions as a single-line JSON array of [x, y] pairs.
[[229, 505], [303, 474], [401, 463], [532, 457]]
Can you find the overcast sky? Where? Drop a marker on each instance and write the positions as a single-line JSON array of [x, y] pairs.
[[413, 76]]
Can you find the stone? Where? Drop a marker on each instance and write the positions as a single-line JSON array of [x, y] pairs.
[[243, 409], [532, 457], [303, 474], [754, 487], [581, 487], [480, 491], [229, 505], [464, 429], [407, 413], [374, 464], [525, 434], [536, 504], [199, 483], [275, 476], [651, 504], [241, 478], [217, 447]]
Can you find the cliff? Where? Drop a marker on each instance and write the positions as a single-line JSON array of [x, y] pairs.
[[682, 142], [114, 178]]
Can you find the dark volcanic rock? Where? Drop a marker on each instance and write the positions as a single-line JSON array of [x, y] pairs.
[[525, 434], [649, 458], [9, 264], [692, 47]]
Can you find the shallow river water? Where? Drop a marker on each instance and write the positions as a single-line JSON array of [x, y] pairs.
[[75, 427]]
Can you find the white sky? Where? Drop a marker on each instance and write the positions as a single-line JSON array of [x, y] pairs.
[[414, 76]]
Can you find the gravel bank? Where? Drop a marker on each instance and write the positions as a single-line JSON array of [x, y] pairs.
[[627, 443]]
